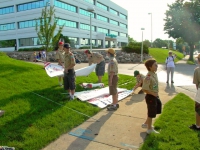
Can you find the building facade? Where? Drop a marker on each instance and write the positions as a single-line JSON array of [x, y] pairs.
[[109, 22]]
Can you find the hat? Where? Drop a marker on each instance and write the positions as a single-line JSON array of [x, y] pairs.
[[111, 50], [66, 45], [136, 73], [198, 56], [60, 43], [87, 51], [170, 52]]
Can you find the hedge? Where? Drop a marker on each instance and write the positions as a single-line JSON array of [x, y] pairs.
[[135, 49]]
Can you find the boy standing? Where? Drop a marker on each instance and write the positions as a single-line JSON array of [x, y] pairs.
[[60, 58], [69, 73], [196, 81], [150, 87], [112, 79]]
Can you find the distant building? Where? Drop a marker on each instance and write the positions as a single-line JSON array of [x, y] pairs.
[[109, 22]]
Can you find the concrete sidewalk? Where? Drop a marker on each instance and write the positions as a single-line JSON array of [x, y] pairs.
[[115, 130]]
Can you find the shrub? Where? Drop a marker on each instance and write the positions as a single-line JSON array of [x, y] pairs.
[[31, 49], [135, 48]]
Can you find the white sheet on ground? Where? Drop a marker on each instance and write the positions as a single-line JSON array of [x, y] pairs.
[[54, 70]]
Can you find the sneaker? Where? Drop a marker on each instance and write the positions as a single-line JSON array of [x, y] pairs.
[[167, 82], [117, 105], [2, 112], [71, 98], [145, 125], [112, 107], [152, 131], [6, 148], [194, 127], [172, 81]]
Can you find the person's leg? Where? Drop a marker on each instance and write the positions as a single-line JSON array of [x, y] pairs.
[[60, 81], [172, 74], [168, 71], [197, 120], [149, 123], [99, 79]]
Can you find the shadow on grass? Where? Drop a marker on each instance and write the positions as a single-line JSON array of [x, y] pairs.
[[23, 110]]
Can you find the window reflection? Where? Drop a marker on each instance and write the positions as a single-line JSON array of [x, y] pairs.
[[65, 6], [6, 10], [8, 26]]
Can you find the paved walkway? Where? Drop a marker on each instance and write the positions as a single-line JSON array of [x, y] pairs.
[[122, 129]]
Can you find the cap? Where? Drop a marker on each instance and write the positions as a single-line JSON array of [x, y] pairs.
[[198, 56], [136, 73], [60, 43], [66, 45], [111, 50], [87, 51]]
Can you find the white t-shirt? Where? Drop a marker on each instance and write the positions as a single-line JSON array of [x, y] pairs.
[[170, 61]]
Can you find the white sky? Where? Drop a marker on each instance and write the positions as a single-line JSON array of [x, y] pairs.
[[138, 18]]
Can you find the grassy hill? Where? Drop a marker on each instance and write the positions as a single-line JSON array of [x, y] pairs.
[[161, 54], [30, 121]]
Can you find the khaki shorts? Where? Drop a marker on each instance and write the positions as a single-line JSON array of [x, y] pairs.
[[197, 108], [113, 88]]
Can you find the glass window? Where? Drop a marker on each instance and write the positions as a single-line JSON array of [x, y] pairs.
[[28, 42], [1, 11], [33, 5], [102, 6], [86, 13], [123, 16], [6, 10], [123, 25], [113, 11], [8, 26], [86, 27], [123, 34], [90, 1], [67, 23], [114, 32], [102, 30], [102, 18], [114, 22], [65, 6]]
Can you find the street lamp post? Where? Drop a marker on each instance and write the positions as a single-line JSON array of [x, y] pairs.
[[142, 46], [151, 29], [90, 9]]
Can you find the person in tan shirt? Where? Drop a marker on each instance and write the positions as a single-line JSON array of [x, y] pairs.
[[150, 87], [196, 81], [97, 58], [69, 72], [112, 79], [60, 58]]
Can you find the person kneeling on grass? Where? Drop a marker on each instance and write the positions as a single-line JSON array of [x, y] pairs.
[[150, 87], [139, 77]]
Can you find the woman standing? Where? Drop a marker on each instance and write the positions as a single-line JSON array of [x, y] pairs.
[[97, 58], [170, 66]]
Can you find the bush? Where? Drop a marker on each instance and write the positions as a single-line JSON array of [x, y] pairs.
[[136, 48], [31, 49]]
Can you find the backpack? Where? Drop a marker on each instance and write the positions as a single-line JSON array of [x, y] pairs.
[[172, 57]]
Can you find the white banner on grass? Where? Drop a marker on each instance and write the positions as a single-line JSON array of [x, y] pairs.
[[90, 94], [54, 70], [103, 101]]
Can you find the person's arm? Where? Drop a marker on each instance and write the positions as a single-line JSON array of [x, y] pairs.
[[146, 86], [151, 93], [112, 72], [111, 77], [73, 63]]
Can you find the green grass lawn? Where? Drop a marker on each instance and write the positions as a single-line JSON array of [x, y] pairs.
[[32, 122], [161, 54], [178, 114]]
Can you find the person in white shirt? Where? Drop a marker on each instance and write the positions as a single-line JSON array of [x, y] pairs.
[[170, 66]]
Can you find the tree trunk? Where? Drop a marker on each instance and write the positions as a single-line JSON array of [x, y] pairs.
[[191, 51]]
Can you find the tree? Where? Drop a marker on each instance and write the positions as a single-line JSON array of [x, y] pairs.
[[62, 38], [147, 43], [131, 40], [159, 43], [182, 20], [46, 27]]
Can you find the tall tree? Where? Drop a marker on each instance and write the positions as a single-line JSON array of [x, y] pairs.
[[182, 20], [147, 43], [131, 40], [46, 27]]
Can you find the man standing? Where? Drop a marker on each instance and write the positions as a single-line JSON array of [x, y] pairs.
[[60, 58], [196, 81], [112, 79], [69, 73], [97, 58], [170, 66], [139, 78]]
